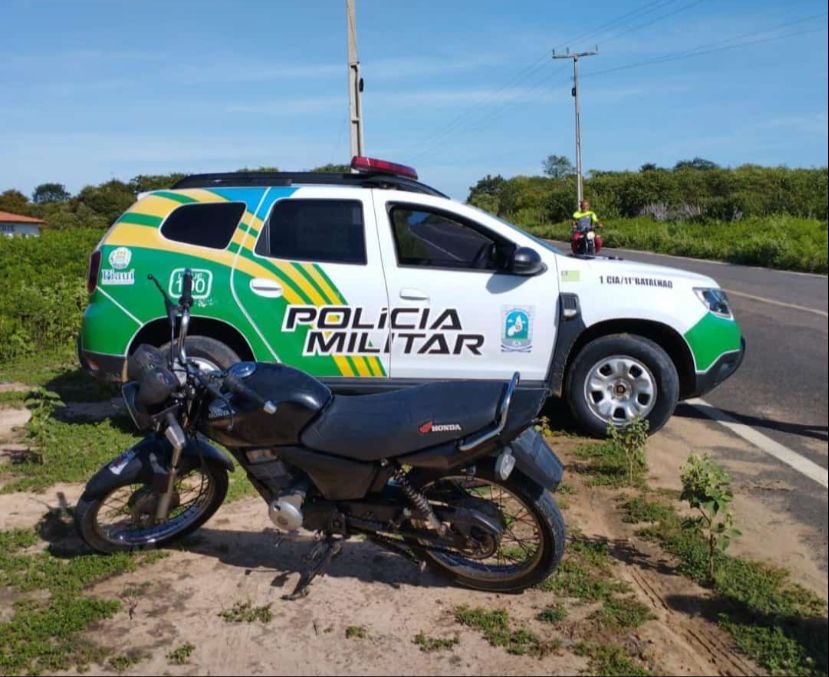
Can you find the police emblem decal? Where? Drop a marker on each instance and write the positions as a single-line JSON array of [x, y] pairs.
[[516, 329]]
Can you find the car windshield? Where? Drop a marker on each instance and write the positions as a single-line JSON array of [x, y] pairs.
[[544, 243]]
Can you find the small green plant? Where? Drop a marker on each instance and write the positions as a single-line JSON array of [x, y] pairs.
[[181, 655], [431, 644], [126, 660], [707, 489], [631, 440], [543, 426], [609, 659], [552, 614], [623, 612], [245, 612], [356, 632]]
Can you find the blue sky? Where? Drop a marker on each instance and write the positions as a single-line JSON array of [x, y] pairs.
[[95, 89]]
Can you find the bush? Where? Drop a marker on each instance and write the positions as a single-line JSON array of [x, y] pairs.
[[44, 295]]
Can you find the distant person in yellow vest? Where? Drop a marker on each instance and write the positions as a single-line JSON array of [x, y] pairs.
[[585, 222]]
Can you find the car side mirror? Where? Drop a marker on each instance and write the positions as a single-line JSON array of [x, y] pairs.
[[526, 261]]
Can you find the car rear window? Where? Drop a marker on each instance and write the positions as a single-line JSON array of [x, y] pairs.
[[315, 230], [209, 224]]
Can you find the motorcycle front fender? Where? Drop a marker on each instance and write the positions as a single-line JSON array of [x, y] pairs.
[[149, 461], [535, 459]]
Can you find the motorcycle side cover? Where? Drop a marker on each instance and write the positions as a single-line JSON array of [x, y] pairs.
[[148, 462]]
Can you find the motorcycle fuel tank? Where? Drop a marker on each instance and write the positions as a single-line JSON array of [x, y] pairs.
[[298, 398]]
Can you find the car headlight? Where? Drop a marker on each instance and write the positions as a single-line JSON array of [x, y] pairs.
[[715, 299]]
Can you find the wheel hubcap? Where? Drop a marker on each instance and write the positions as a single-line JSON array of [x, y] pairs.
[[620, 389]]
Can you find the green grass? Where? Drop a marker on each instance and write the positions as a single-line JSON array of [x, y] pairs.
[[606, 464], [13, 398], [623, 612], [124, 661], [776, 622], [552, 614], [50, 611], [494, 625], [429, 644], [585, 573], [608, 658], [356, 632], [245, 612], [69, 452], [181, 654]]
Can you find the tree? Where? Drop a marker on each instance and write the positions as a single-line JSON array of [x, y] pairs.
[[147, 182], [486, 194], [558, 167], [332, 168], [648, 167], [50, 192], [697, 163], [108, 200], [258, 169], [14, 201]]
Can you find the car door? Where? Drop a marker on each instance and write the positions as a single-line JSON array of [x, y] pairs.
[[311, 282], [455, 311]]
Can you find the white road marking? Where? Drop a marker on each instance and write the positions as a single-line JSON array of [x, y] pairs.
[[791, 458], [763, 299]]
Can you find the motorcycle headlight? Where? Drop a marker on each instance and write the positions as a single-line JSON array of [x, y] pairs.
[[715, 300]]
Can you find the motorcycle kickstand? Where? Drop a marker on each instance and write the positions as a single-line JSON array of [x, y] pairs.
[[321, 555]]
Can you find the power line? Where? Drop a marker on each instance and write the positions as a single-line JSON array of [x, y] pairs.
[[707, 48], [528, 71]]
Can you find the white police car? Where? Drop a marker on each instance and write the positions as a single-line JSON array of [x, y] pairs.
[[372, 280]]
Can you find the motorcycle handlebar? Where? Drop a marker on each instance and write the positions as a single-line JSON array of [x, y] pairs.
[[235, 386]]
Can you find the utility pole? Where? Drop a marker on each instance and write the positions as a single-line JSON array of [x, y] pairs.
[[575, 56], [355, 84]]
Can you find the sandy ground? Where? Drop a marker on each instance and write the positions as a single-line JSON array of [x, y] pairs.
[[237, 557]]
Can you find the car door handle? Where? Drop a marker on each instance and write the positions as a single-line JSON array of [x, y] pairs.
[[262, 286], [411, 294]]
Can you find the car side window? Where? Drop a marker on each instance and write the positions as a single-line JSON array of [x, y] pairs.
[[209, 224], [435, 239], [332, 231]]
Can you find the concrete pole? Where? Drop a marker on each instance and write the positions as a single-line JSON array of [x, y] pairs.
[[355, 85]]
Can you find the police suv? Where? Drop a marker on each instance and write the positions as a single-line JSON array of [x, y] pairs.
[[372, 280]]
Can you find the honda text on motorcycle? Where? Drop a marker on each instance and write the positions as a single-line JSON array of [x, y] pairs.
[[450, 473]]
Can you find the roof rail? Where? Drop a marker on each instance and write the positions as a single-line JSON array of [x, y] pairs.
[[362, 179]]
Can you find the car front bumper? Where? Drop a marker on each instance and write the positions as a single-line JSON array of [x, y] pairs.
[[724, 367]]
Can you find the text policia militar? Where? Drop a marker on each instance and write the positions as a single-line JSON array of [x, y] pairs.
[[347, 330]]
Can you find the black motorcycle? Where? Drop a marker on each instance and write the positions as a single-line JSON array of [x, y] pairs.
[[451, 473]]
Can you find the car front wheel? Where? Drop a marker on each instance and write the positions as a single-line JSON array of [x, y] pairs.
[[617, 379]]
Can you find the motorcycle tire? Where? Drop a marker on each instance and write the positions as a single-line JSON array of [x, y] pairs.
[[88, 514], [540, 505]]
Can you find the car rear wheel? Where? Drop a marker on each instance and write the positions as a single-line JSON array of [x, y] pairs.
[[618, 379], [208, 353]]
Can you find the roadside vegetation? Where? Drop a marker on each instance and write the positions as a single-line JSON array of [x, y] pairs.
[[774, 621], [765, 216]]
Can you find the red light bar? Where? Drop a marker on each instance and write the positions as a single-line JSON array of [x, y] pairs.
[[369, 164]]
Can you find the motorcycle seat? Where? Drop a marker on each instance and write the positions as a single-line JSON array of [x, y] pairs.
[[386, 425]]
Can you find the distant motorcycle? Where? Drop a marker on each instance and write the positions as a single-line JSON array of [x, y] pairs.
[[585, 241], [450, 473]]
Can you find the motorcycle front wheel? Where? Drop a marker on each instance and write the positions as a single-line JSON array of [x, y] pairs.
[[531, 544], [124, 519]]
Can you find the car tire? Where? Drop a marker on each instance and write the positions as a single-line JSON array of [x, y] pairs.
[[209, 353], [628, 376]]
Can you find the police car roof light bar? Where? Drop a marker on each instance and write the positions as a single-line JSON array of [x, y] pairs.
[[361, 163]]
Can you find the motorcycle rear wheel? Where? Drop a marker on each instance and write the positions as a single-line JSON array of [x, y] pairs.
[[123, 520], [519, 561]]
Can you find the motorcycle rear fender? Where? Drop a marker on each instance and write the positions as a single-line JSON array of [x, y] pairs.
[[535, 459], [148, 461]]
